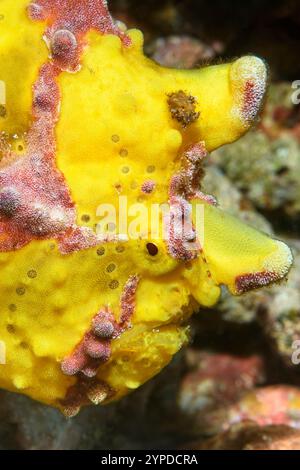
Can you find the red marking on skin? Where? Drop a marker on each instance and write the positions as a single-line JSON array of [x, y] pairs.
[[185, 186], [248, 96], [64, 49], [182, 243], [68, 22], [103, 326], [247, 282], [95, 347], [148, 187], [93, 350], [77, 238], [252, 99], [187, 183], [128, 301], [35, 201]]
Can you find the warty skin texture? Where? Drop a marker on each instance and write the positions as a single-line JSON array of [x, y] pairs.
[[102, 114]]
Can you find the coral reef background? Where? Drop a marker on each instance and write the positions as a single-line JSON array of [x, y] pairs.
[[235, 386]]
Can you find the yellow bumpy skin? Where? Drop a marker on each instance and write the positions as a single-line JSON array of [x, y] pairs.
[[88, 123]]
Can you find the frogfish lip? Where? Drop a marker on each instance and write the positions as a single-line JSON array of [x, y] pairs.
[[239, 256], [275, 268]]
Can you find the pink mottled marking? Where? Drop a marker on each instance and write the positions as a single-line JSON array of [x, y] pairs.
[[68, 21], [128, 301], [184, 187], [247, 282], [181, 232], [148, 187], [253, 94], [35, 201], [32, 186], [93, 350], [95, 347]]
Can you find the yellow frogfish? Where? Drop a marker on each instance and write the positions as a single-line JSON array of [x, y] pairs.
[[95, 140]]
